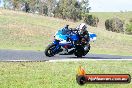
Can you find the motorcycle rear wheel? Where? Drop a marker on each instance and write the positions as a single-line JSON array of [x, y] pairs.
[[79, 52]]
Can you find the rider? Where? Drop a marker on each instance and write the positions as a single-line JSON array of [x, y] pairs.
[[82, 28], [84, 35]]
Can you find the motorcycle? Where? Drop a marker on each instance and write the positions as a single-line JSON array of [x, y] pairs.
[[68, 42]]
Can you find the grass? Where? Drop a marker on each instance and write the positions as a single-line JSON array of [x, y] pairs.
[[25, 31], [58, 74]]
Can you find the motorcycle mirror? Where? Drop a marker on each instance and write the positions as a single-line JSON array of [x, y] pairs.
[[67, 26]]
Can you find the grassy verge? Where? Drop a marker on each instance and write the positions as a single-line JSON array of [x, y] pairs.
[[58, 74]]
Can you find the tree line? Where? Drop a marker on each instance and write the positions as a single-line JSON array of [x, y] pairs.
[[66, 9]]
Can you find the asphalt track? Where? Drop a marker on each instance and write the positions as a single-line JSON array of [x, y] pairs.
[[22, 55]]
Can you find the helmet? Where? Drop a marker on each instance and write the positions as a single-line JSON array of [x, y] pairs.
[[82, 27]]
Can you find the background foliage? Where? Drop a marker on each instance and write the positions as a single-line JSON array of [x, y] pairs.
[[66, 9]]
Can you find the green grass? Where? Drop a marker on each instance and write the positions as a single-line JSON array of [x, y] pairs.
[[125, 16], [25, 31], [58, 74]]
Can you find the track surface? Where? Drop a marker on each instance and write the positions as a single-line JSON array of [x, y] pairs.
[[21, 55]]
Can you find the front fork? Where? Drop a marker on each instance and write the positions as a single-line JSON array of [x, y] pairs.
[[57, 46]]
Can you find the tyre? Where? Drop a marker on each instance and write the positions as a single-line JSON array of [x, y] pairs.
[[79, 51], [48, 50], [78, 55]]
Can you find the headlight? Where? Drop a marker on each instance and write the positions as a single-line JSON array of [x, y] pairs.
[[58, 38]]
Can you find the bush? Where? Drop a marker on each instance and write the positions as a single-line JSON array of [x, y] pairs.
[[130, 20], [129, 28], [91, 20], [114, 25]]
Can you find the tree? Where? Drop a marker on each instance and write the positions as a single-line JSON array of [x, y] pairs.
[[43, 7], [85, 6], [15, 4], [51, 6], [27, 8], [8, 4], [68, 9]]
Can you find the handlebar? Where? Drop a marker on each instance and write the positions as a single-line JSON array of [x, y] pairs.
[[67, 26]]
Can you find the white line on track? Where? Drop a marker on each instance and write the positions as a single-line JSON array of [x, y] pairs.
[[68, 60]]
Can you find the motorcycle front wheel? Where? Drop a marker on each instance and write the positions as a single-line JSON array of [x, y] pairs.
[[49, 50]]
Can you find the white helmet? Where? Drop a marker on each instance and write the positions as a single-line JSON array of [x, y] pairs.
[[82, 27]]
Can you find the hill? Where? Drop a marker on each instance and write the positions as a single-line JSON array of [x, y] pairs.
[[27, 31]]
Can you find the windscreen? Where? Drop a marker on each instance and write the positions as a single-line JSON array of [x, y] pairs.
[[64, 31]]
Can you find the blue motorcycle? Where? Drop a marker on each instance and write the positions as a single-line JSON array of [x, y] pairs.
[[68, 42]]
